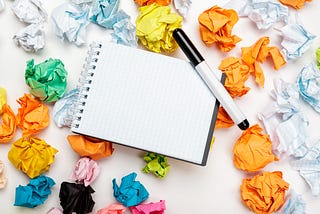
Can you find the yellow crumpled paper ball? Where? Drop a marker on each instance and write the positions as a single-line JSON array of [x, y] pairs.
[[3, 98], [154, 27], [32, 155]]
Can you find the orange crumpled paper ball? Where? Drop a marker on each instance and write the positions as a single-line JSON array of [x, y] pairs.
[[32, 155], [90, 147], [252, 151], [297, 4], [258, 52], [264, 193], [148, 2], [223, 119], [33, 115], [8, 126], [215, 25], [237, 74]]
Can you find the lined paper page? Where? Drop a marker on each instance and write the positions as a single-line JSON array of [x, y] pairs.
[[148, 101]]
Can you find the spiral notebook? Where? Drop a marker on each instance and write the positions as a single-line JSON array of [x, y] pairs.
[[147, 101]]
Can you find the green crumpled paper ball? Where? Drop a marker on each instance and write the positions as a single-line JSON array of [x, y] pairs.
[[156, 164], [47, 80]]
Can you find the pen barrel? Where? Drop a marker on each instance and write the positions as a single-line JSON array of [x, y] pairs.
[[219, 91]]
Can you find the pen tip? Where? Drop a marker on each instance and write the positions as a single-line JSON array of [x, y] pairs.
[[244, 125]]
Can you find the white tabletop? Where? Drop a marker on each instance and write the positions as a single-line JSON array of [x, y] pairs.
[[187, 188]]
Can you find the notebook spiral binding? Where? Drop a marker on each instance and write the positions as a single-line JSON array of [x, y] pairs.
[[85, 80]]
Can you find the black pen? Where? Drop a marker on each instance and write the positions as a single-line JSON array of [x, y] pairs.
[[209, 78]]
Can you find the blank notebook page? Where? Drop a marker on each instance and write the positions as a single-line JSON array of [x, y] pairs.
[[149, 101]]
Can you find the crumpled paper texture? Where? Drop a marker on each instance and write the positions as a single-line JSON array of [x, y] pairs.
[[237, 74], [76, 198], [47, 80], [296, 40], [3, 98], [148, 2], [264, 193], [70, 22], [297, 4], [62, 109], [33, 116], [29, 11], [156, 164], [113, 209], [309, 167], [264, 13], [105, 13], [154, 27], [9, 124], [216, 24], [150, 208], [32, 155], [90, 147], [252, 150], [259, 52], [308, 85], [125, 33], [223, 119], [3, 178], [182, 6], [294, 204], [130, 192], [35, 193], [284, 121], [85, 171], [31, 38]]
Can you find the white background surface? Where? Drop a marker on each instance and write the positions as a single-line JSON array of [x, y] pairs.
[[187, 188]]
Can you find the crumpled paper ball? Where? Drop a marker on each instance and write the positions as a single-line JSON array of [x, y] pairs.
[[309, 85], [157, 164], [33, 116], [76, 198], [31, 38], [215, 25], [105, 13], [3, 98], [296, 4], [31, 155], [62, 109], [9, 124], [148, 2], [47, 80], [264, 193], [85, 171], [35, 193], [113, 209], [124, 32], [154, 27], [29, 11], [237, 74], [130, 192], [90, 147], [70, 21], [259, 52], [252, 151], [150, 208]]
